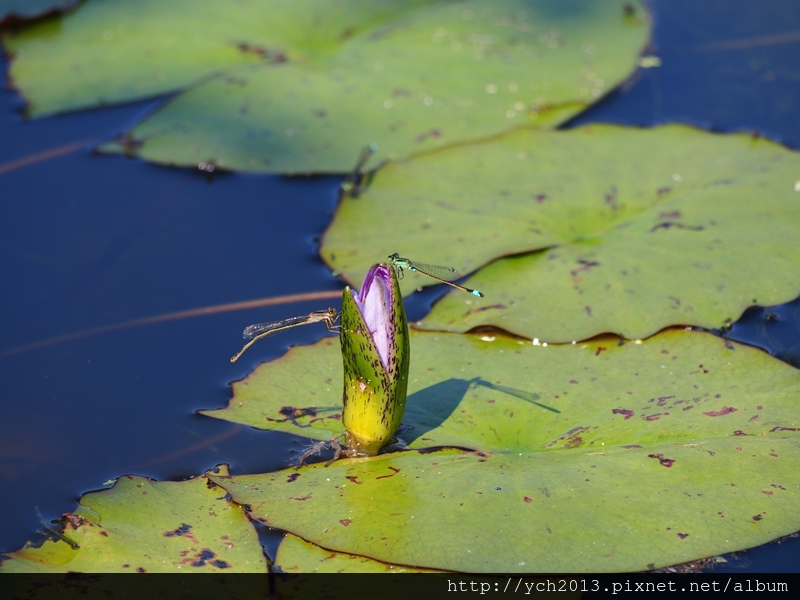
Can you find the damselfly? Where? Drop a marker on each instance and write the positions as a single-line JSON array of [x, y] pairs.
[[437, 272], [260, 330]]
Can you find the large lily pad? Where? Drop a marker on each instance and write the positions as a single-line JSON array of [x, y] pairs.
[[141, 526], [605, 229], [589, 457], [303, 86]]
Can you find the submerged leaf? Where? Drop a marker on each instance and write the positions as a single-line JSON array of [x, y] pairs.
[[590, 457], [303, 86], [605, 229]]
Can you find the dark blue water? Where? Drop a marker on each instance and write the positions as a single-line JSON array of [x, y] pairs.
[[89, 240]]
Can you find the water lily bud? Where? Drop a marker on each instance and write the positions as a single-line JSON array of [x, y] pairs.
[[375, 353]]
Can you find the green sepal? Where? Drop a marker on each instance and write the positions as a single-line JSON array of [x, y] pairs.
[[374, 395]]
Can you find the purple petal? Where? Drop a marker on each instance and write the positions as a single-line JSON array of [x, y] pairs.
[[375, 303]]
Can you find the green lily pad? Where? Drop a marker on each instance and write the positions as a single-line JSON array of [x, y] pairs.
[[304, 86], [603, 229], [598, 456], [141, 525], [113, 51]]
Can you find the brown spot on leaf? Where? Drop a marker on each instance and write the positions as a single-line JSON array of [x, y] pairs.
[[610, 198], [682, 536], [273, 55], [396, 471], [72, 521], [431, 133], [622, 411], [345, 522], [585, 265], [669, 224], [725, 410], [204, 557], [301, 499], [527, 500], [665, 462], [201, 558], [570, 439], [183, 530]]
